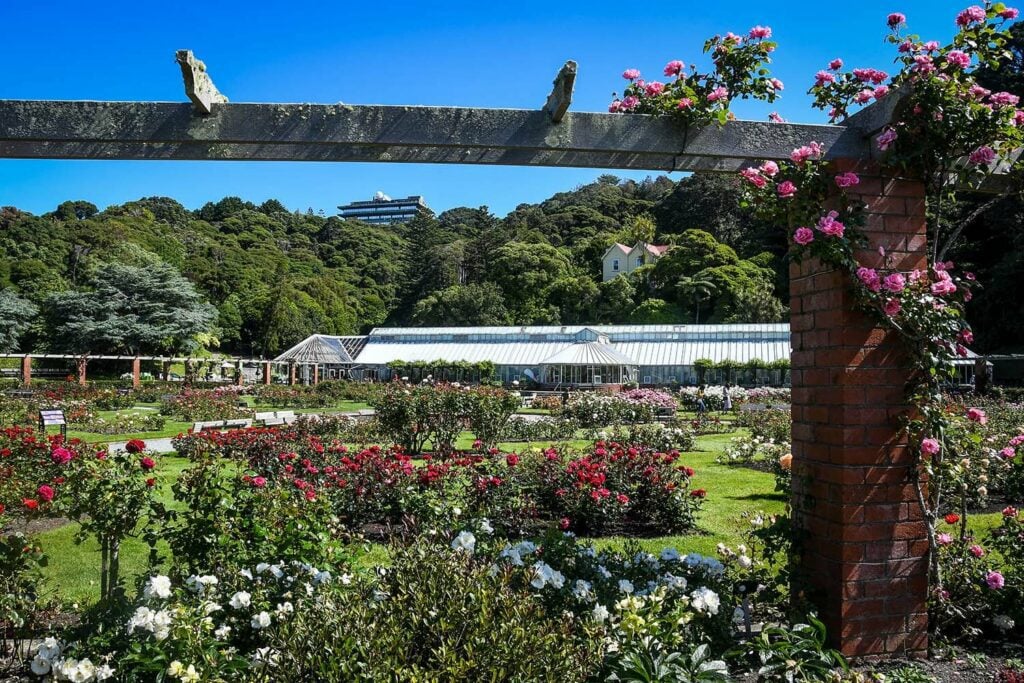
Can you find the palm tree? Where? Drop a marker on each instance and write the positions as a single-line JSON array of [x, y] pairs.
[[698, 290]]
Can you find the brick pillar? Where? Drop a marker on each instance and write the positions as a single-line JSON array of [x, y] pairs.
[[291, 374], [267, 376], [26, 371], [82, 363], [239, 375], [316, 374], [136, 373], [863, 558]]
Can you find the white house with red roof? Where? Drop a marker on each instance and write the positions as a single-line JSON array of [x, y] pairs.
[[623, 260]]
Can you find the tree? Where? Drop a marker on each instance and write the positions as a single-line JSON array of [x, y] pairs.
[[755, 304], [130, 309], [696, 290], [525, 272], [656, 312], [616, 301], [695, 250], [639, 229], [463, 305], [576, 296], [16, 314]]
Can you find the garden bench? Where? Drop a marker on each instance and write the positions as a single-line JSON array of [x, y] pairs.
[[528, 400], [207, 426], [282, 417]]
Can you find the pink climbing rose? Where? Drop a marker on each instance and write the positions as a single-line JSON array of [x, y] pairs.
[[830, 226], [995, 580], [801, 154], [835, 64], [823, 77], [760, 32], [631, 74], [944, 539], [786, 189], [1009, 453], [886, 139], [803, 236], [1004, 98], [769, 168], [892, 307], [894, 282], [754, 177], [971, 15], [674, 68], [930, 446], [977, 415], [719, 93], [869, 278], [848, 179], [984, 155], [775, 118], [685, 103], [896, 19], [1010, 13], [959, 59]]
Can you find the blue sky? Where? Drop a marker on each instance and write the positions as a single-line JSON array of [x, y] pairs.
[[498, 54]]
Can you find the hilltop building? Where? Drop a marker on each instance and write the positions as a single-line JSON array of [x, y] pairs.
[[623, 260], [383, 210]]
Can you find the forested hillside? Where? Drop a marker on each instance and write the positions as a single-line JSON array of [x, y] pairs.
[[151, 275]]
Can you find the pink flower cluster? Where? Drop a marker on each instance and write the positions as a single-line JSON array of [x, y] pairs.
[[972, 15], [848, 179], [830, 226], [870, 76], [800, 155]]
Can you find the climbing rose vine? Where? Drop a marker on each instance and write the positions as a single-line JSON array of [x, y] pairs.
[[949, 131], [698, 98]]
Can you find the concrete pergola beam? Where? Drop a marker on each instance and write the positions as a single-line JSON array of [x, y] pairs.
[[42, 129]]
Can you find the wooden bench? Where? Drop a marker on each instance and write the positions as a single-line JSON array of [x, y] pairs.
[[275, 419], [220, 424]]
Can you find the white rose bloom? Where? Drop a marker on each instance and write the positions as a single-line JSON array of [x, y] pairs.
[[464, 542], [284, 608], [485, 527], [581, 590], [323, 577], [262, 567], [600, 612], [245, 574], [346, 579], [605, 574], [260, 621], [104, 672], [275, 571], [625, 586], [49, 649], [543, 575], [158, 587], [40, 666], [705, 600], [1003, 622], [211, 607], [669, 554], [240, 599], [222, 632], [457, 511], [744, 561], [675, 582]]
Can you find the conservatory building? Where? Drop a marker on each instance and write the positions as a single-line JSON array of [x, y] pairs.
[[553, 356]]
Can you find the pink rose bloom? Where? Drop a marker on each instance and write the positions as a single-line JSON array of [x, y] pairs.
[[1018, 118], [943, 287], [654, 88], [886, 139], [1003, 98], [881, 91], [966, 336], [760, 32], [259, 482], [896, 18], [823, 77], [971, 15], [802, 154], [803, 236], [777, 84], [685, 103], [930, 446], [775, 118], [977, 415], [995, 580], [930, 46], [1009, 453], [830, 226], [869, 278], [615, 106], [977, 551], [863, 97], [906, 46], [45, 493], [629, 103], [944, 539], [848, 179], [923, 64], [674, 68], [786, 189], [1009, 511], [1010, 13], [719, 93], [769, 168], [61, 456], [892, 307], [978, 92], [1017, 440], [984, 155], [835, 64], [959, 59], [631, 74], [754, 177], [894, 282]]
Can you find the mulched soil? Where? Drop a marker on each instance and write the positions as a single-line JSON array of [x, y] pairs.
[[34, 526]]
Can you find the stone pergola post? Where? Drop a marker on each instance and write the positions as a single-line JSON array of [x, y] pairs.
[[863, 555], [26, 371], [136, 373], [267, 373], [82, 363]]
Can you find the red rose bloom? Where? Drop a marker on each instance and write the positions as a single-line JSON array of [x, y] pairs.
[[147, 463], [45, 493], [2, 508], [564, 523], [30, 503], [151, 482], [135, 446], [698, 493], [952, 518], [512, 459]]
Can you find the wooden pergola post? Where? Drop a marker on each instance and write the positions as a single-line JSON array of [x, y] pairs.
[[26, 371]]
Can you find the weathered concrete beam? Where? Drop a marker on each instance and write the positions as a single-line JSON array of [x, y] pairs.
[[315, 132], [198, 85], [561, 92]]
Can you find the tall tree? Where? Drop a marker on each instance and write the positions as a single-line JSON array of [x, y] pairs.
[[16, 314]]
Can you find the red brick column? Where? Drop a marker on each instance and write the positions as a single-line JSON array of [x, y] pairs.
[[316, 374], [291, 374], [26, 371], [83, 362], [239, 375], [863, 555], [267, 373], [136, 373]]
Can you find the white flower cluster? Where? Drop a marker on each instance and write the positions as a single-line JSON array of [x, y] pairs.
[[157, 622], [49, 661]]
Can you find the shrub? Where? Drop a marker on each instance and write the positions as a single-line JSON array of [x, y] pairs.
[[592, 409], [489, 412], [21, 598], [544, 429], [771, 424], [202, 405], [747, 450], [122, 424]]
